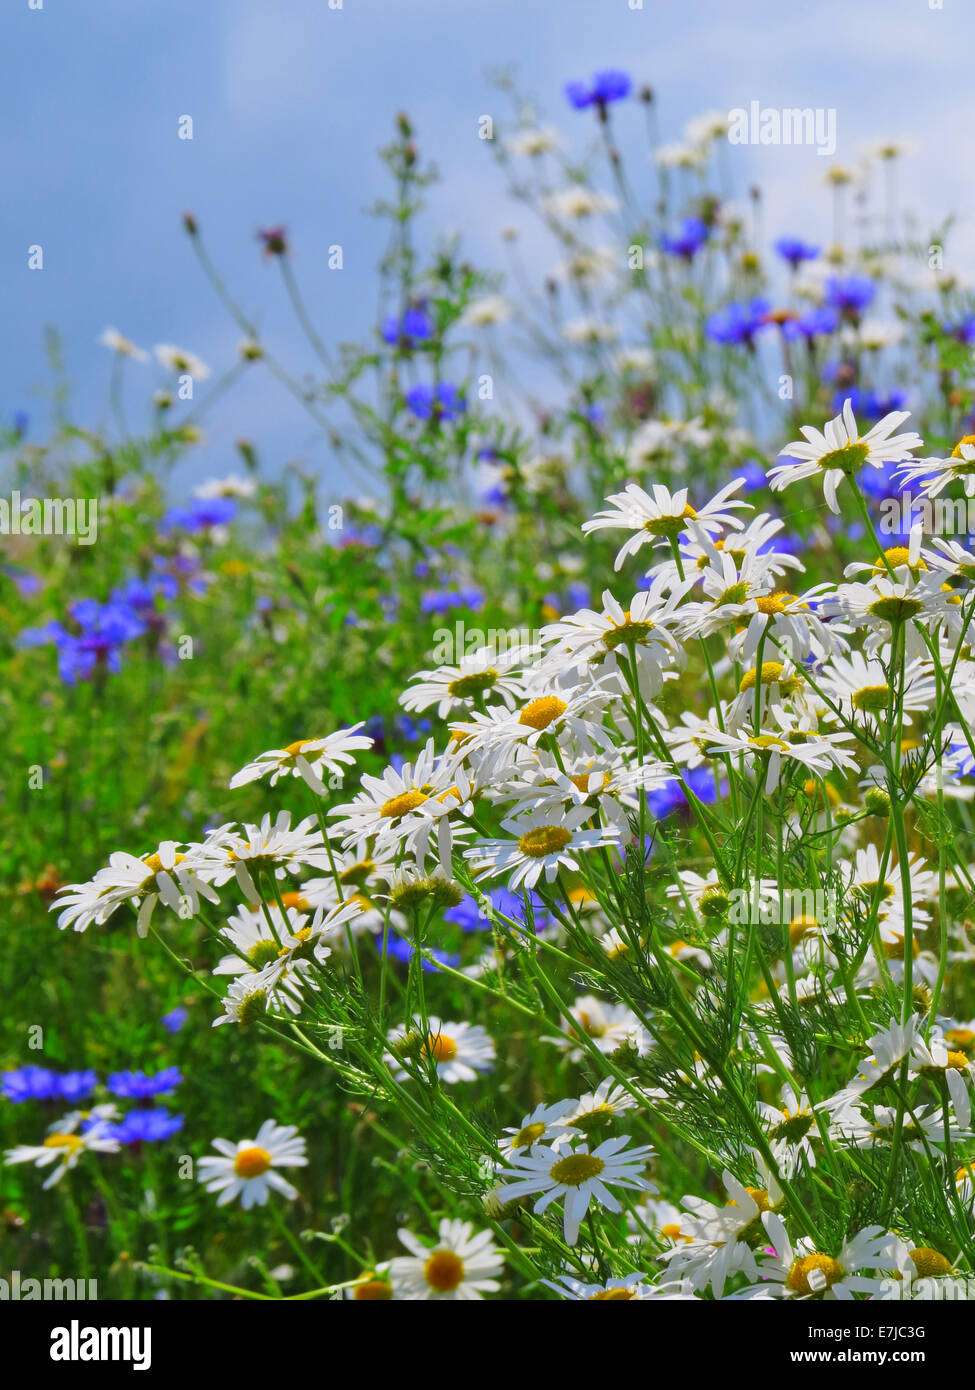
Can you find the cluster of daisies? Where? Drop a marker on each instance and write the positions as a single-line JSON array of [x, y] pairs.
[[833, 713]]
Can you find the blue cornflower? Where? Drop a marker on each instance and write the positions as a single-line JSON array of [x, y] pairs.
[[146, 1126], [963, 330], [414, 327], [403, 950], [849, 295], [444, 404], [814, 323], [175, 1019], [200, 514], [469, 916], [870, 403], [75, 1085], [665, 800], [692, 236], [30, 1083], [795, 251], [738, 323], [138, 1085], [605, 87]]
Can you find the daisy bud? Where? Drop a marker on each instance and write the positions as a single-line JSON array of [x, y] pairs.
[[877, 802]]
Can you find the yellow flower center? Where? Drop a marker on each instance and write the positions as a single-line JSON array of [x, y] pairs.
[[576, 1169], [293, 749], [767, 741], [964, 1037], [965, 439], [545, 839], [440, 1048], [779, 602], [402, 805], [444, 1271], [528, 1136], [801, 926], [848, 459], [798, 1280], [71, 1142], [629, 630], [613, 1296], [929, 1263], [898, 555], [373, 1290], [895, 609], [669, 525], [871, 697], [474, 684], [539, 714], [251, 1163], [155, 865], [771, 675]]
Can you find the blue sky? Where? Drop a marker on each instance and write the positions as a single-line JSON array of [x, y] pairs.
[[290, 100]]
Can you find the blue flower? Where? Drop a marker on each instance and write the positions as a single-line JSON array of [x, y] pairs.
[[414, 327], [814, 323], [444, 404], [75, 1085], [201, 514], [403, 950], [138, 1085], [738, 323], [692, 236], [470, 917], [963, 330], [851, 295], [146, 1126], [605, 87], [30, 1083], [795, 251], [175, 1019], [665, 800]]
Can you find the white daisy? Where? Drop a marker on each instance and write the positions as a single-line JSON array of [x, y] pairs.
[[578, 1176], [839, 451], [461, 1266], [247, 1169], [309, 758], [458, 1051]]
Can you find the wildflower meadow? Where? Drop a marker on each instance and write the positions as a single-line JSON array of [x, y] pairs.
[[531, 861]]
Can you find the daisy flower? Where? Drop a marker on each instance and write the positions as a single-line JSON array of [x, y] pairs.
[[935, 474], [169, 874], [608, 1026], [839, 452], [248, 1169], [632, 1288], [113, 339], [542, 1125], [458, 1051], [806, 1273], [461, 1266], [274, 846], [309, 759], [182, 363], [478, 673], [64, 1147], [578, 1176], [599, 1108], [817, 753], [540, 847], [662, 516]]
